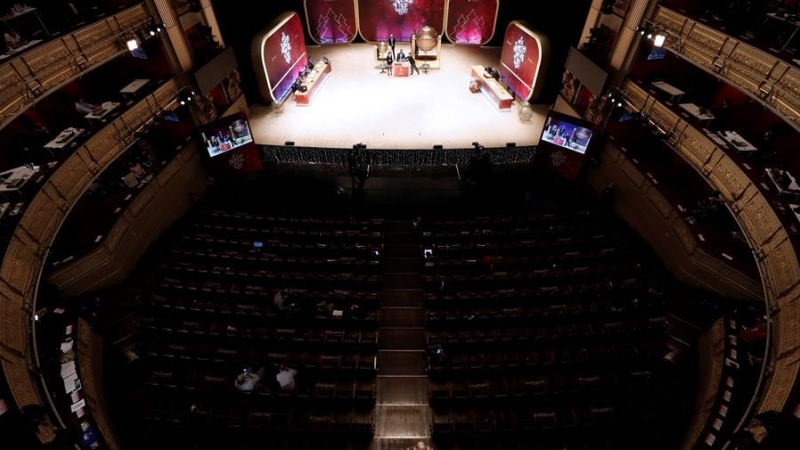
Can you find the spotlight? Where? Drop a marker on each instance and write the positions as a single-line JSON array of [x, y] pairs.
[[659, 40], [152, 33], [133, 44], [619, 104], [183, 102]]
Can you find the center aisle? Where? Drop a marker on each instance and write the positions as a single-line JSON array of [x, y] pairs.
[[402, 413]]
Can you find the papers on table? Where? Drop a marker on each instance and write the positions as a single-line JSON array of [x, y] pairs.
[[737, 142], [67, 346], [134, 86], [72, 383], [106, 108], [68, 369], [76, 406], [64, 138], [668, 88], [695, 111]]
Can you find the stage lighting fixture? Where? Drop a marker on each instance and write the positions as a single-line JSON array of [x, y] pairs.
[[659, 40], [619, 104], [133, 44]]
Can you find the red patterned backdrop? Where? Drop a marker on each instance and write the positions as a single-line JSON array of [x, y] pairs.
[[471, 21], [520, 59], [379, 18], [331, 21], [284, 55]]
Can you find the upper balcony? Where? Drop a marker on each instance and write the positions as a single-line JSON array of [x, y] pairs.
[[761, 74], [31, 76]]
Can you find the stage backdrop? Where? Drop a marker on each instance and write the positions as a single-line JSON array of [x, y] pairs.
[[379, 18], [523, 59], [471, 21], [331, 21], [279, 55]]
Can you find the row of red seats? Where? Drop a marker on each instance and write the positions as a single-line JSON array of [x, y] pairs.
[[334, 222], [226, 232], [266, 337], [215, 302], [530, 361]]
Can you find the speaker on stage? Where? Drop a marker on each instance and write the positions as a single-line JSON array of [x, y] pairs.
[[511, 144], [289, 143], [438, 147]]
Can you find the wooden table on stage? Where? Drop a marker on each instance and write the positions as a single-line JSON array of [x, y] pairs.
[[313, 83], [401, 68], [492, 89]]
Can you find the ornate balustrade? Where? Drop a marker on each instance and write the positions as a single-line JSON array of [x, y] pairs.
[[773, 81], [768, 238], [27, 249], [33, 74]]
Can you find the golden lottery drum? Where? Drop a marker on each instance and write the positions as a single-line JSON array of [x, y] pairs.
[[426, 38]]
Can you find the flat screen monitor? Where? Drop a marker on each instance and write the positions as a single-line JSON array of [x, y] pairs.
[[226, 134], [657, 53], [567, 132]]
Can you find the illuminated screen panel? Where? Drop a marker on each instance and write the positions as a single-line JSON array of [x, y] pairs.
[[379, 18], [331, 21], [226, 134], [523, 59], [563, 144], [471, 21], [279, 55], [567, 134]]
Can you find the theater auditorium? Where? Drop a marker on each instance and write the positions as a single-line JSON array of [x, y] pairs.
[[399, 224]]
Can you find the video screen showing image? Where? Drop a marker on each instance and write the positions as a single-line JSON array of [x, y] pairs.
[[227, 134], [567, 134]]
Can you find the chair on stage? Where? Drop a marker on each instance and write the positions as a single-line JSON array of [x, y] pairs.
[[425, 67], [384, 67]]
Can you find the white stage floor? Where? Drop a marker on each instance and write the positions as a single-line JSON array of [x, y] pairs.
[[359, 104]]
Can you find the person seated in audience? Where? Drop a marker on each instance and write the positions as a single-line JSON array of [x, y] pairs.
[[84, 107], [137, 170], [286, 378], [324, 306], [247, 380], [12, 39], [435, 354], [281, 300]]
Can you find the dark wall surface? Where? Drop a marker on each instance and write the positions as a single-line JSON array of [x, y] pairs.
[[561, 21]]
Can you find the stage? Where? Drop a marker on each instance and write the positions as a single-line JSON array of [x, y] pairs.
[[358, 104]]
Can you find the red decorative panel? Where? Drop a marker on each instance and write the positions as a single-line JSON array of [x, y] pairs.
[[379, 18], [471, 21], [522, 59], [279, 55], [331, 21]]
